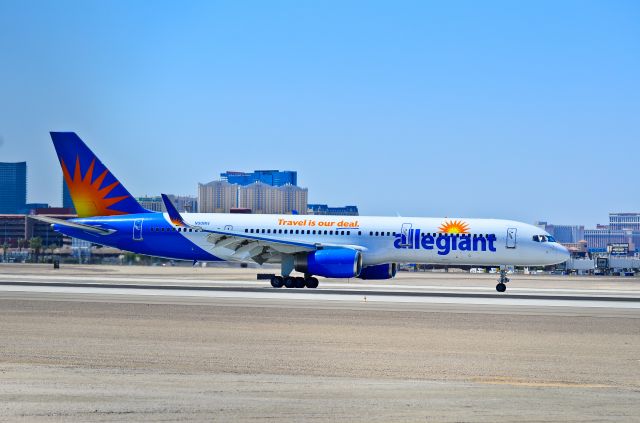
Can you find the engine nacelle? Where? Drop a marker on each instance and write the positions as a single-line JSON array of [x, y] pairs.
[[330, 263], [380, 271]]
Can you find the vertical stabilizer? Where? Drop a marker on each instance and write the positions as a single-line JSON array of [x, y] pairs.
[[93, 188]]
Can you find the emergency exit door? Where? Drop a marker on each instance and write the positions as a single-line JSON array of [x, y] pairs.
[[137, 230], [512, 234]]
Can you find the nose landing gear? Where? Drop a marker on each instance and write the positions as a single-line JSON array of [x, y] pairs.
[[501, 287]]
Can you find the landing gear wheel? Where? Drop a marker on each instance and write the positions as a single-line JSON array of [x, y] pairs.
[[289, 282], [501, 287], [299, 282], [311, 282], [277, 281]]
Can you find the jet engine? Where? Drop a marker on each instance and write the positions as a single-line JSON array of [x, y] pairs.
[[330, 263], [380, 271]]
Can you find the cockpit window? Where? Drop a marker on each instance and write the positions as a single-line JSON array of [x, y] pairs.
[[536, 238], [550, 238], [544, 238]]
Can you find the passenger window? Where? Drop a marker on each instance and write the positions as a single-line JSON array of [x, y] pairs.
[[297, 232], [348, 232], [388, 233], [371, 233], [359, 232], [341, 232], [308, 231], [330, 232], [376, 233], [325, 231]]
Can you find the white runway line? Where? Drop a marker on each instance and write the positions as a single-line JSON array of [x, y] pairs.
[[354, 286], [298, 296]]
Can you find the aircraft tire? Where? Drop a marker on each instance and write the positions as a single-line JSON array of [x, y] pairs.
[[311, 282], [501, 287], [277, 281], [289, 282], [299, 282]]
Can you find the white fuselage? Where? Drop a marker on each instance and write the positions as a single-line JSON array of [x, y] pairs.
[[390, 239]]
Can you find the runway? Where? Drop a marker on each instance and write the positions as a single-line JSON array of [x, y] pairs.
[[139, 344], [385, 296]]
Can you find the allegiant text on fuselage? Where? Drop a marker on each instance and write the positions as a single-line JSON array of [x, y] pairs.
[[444, 243]]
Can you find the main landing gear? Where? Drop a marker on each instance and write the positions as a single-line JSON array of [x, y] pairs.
[[294, 282], [501, 287]]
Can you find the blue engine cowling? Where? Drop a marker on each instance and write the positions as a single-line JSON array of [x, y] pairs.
[[380, 271], [330, 263]]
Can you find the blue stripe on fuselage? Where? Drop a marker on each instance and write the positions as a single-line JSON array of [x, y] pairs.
[[166, 242]]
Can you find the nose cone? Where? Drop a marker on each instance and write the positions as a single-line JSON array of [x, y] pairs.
[[561, 253]]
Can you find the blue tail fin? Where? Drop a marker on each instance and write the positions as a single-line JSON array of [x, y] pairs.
[[174, 215], [93, 188]]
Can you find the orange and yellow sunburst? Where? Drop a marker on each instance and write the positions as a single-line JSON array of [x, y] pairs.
[[88, 198], [454, 227]]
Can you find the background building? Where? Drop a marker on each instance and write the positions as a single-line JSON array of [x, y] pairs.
[[598, 239], [17, 228], [565, 234], [151, 203], [621, 221], [184, 203], [323, 209], [267, 199], [13, 187], [217, 197], [275, 178], [623, 228], [261, 191]]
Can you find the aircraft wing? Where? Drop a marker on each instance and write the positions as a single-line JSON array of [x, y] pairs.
[[62, 222], [261, 248], [250, 246]]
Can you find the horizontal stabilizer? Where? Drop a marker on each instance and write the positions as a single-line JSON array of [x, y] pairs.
[[61, 222]]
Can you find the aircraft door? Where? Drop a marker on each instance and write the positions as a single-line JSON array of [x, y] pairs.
[[512, 234], [137, 230], [406, 234]]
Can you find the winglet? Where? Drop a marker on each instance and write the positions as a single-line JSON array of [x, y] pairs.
[[174, 215]]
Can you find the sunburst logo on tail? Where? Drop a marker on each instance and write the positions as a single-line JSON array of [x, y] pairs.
[[88, 196], [454, 227]]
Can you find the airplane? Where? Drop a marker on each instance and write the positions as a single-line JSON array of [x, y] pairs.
[[314, 245]]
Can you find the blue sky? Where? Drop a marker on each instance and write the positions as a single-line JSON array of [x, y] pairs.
[[523, 110]]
